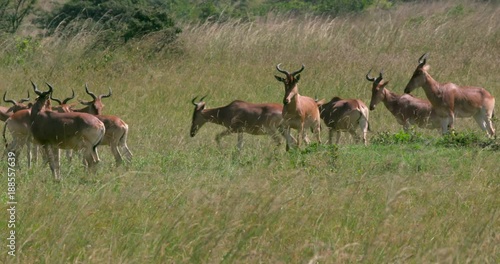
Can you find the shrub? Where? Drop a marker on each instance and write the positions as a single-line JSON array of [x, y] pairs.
[[116, 21]]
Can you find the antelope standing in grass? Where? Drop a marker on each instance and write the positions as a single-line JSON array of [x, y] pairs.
[[6, 112], [19, 127], [240, 117], [18, 124], [299, 112], [345, 115], [116, 129], [54, 131], [407, 109], [450, 100]]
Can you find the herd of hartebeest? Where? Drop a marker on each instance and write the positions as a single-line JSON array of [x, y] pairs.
[[445, 102], [64, 127]]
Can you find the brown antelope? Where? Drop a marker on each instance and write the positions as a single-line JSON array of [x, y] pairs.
[[299, 112], [64, 107], [407, 109], [345, 115], [19, 126], [450, 100], [240, 117], [54, 131], [6, 112], [116, 129]]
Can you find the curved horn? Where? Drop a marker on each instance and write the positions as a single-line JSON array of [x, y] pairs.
[[380, 74], [298, 71], [35, 88], [8, 100], [280, 70], [89, 93], [51, 89], [65, 101], [23, 100], [192, 101], [422, 59], [371, 79], [55, 99], [106, 95], [201, 99], [84, 103]]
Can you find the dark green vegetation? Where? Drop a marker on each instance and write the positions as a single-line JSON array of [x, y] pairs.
[[405, 198]]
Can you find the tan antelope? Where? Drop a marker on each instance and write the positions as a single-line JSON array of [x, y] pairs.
[[299, 112], [407, 109], [54, 131], [64, 107], [450, 100], [6, 112], [345, 115], [116, 129], [19, 127], [240, 117]]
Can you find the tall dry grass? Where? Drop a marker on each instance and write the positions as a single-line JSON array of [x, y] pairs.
[[186, 200]]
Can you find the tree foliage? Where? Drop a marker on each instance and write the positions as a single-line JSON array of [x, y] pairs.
[[118, 20], [13, 12]]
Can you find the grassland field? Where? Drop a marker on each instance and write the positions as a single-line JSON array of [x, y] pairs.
[[185, 200]]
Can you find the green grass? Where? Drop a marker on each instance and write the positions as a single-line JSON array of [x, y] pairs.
[[405, 198]]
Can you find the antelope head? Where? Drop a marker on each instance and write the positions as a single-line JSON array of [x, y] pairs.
[[95, 106], [16, 106], [198, 119], [418, 78], [43, 98], [66, 100], [290, 82], [377, 89]]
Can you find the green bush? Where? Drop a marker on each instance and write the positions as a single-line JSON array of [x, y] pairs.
[[117, 21]]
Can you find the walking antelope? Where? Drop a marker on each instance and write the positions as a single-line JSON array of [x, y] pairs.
[[240, 117], [54, 131], [345, 115], [407, 109], [450, 100], [116, 129], [299, 112], [6, 112]]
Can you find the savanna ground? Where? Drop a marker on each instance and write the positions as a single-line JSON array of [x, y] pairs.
[[185, 200]]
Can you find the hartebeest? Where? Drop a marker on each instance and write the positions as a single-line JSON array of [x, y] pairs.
[[299, 112], [6, 112], [19, 127], [54, 131], [407, 109], [345, 115], [450, 100], [116, 129], [240, 117]]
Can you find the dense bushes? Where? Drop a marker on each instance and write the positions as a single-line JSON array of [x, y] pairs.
[[116, 21]]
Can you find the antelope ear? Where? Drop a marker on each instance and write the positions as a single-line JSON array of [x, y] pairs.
[[279, 78], [426, 67], [384, 84], [297, 77]]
